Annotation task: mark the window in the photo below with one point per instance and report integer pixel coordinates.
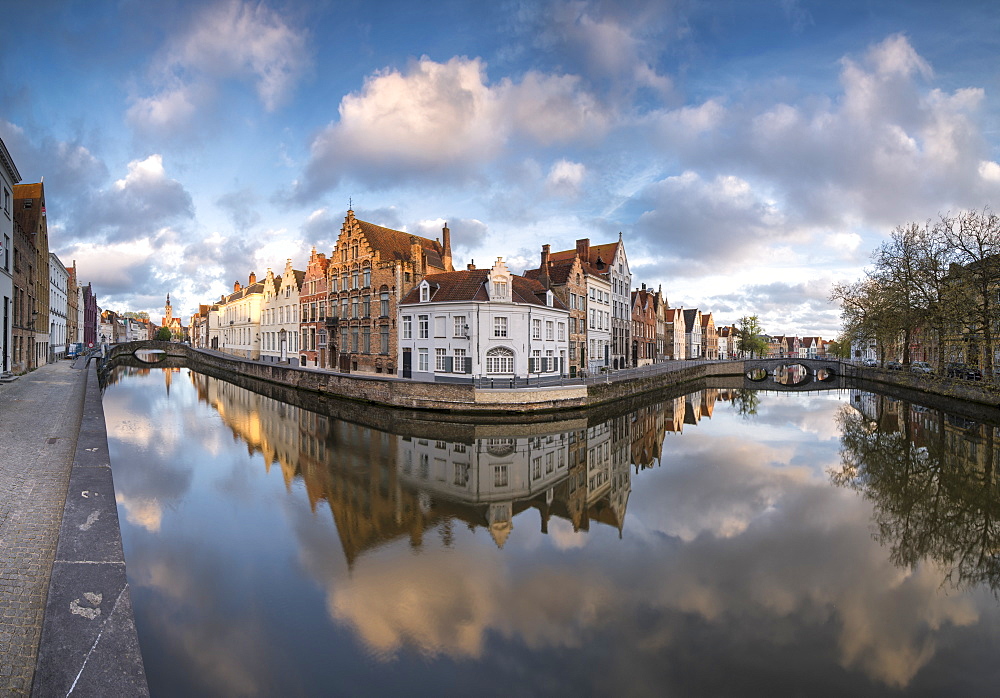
(322, 310)
(500, 327)
(334, 286)
(384, 304)
(499, 475)
(354, 340)
(354, 278)
(439, 357)
(366, 306)
(425, 293)
(561, 332)
(500, 289)
(354, 307)
(366, 277)
(500, 360)
(407, 327)
(422, 364)
(384, 333)
(343, 307)
(549, 330)
(550, 361)
(423, 326)
(459, 361)
(536, 362)
(461, 330)
(536, 329)
(439, 325)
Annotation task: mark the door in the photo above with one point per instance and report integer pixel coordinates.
(407, 363)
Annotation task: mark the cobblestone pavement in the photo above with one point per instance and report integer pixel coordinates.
(39, 424)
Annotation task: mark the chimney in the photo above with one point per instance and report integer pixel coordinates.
(644, 288)
(416, 255)
(236, 286)
(446, 254)
(471, 266)
(545, 255)
(252, 280)
(583, 249)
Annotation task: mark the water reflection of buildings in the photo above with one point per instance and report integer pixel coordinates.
(381, 487)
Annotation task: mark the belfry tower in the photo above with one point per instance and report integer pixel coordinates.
(168, 313)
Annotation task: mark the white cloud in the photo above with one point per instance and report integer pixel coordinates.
(445, 120)
(565, 178)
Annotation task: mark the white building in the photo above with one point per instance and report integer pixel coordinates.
(692, 334)
(279, 323)
(599, 317)
(58, 304)
(481, 322)
(9, 176)
(239, 316)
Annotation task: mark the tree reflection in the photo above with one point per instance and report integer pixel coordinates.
(746, 402)
(931, 478)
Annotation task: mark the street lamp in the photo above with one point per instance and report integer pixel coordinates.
(281, 334)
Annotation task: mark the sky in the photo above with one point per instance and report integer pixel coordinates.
(750, 154)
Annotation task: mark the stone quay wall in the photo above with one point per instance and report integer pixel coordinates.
(442, 397)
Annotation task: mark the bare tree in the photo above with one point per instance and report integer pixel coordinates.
(974, 236)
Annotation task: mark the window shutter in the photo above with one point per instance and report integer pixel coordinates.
(449, 364)
(468, 364)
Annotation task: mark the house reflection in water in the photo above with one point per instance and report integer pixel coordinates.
(381, 486)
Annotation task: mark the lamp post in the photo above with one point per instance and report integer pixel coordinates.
(284, 355)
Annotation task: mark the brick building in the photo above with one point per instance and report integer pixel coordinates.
(29, 212)
(313, 296)
(371, 269)
(568, 280)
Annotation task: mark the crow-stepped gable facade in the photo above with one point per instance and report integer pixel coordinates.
(369, 272)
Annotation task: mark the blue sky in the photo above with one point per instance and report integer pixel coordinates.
(751, 153)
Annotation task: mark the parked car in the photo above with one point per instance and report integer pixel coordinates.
(960, 370)
(921, 367)
(894, 366)
(870, 362)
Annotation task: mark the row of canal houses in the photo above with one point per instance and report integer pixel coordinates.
(390, 302)
(44, 308)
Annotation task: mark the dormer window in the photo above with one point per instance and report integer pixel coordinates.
(425, 292)
(548, 297)
(500, 288)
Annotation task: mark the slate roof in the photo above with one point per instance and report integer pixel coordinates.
(689, 318)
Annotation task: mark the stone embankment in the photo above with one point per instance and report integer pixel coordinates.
(455, 398)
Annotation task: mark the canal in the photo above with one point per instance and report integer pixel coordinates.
(719, 543)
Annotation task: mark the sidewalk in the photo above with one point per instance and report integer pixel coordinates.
(40, 416)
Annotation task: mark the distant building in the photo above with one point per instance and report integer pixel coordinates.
(58, 308)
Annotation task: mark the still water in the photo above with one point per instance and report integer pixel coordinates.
(720, 543)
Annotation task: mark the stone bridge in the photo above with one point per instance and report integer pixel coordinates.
(783, 374)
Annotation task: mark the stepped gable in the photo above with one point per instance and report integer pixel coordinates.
(595, 253)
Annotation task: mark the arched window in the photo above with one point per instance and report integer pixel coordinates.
(500, 360)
